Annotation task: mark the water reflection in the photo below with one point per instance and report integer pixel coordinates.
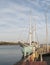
(10, 54)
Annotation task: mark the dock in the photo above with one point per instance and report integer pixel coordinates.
(46, 61)
(31, 63)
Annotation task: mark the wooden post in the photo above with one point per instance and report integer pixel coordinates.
(41, 57)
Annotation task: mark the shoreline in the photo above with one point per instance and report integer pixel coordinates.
(10, 43)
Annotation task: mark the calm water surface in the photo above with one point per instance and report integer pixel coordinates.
(9, 55)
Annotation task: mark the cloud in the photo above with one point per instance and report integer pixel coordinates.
(15, 18)
(40, 5)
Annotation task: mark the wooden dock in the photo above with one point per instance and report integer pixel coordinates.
(46, 61)
(31, 63)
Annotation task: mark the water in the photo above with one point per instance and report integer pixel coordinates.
(9, 55)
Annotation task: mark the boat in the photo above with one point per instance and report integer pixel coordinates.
(31, 52)
(30, 48)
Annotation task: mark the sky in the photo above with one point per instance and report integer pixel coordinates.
(15, 16)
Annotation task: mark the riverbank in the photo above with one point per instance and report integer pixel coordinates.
(9, 43)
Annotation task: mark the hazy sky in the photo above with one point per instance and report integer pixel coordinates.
(15, 18)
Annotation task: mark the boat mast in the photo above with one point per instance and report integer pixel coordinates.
(46, 29)
(35, 32)
(30, 35)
